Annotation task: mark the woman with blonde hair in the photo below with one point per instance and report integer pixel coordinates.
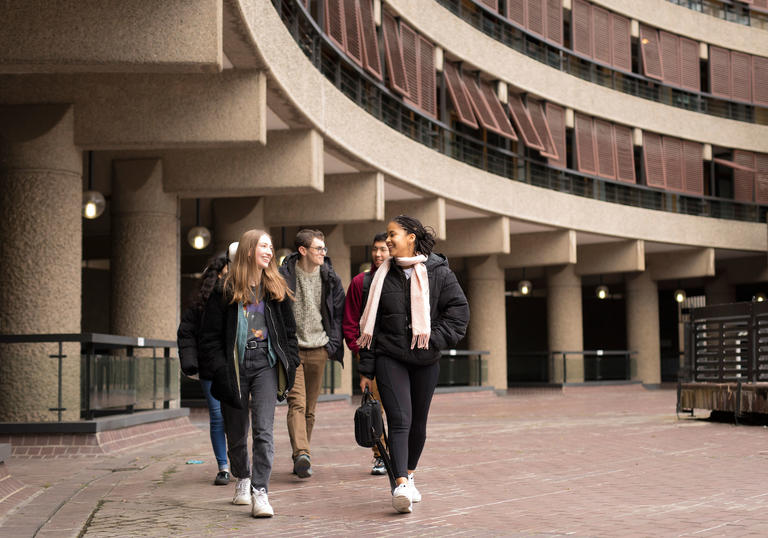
(250, 353)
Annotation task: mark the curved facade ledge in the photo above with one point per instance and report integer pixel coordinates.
(496, 59)
(401, 158)
(692, 24)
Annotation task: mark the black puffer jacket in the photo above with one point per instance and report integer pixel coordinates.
(332, 309)
(218, 361)
(187, 339)
(448, 310)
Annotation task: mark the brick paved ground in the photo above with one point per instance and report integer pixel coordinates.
(590, 461)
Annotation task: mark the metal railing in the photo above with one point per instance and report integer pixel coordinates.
(112, 375)
(728, 10)
(460, 367)
(495, 154)
(558, 57)
(596, 364)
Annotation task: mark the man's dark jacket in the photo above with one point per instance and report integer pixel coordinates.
(448, 311)
(217, 359)
(332, 306)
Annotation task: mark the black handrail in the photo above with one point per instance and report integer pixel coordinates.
(727, 10)
(558, 57)
(494, 155)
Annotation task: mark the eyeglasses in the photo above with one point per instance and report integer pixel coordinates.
(319, 249)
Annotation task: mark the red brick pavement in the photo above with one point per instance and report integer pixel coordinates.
(589, 461)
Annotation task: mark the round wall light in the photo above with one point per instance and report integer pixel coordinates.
(93, 204)
(601, 292)
(524, 287)
(680, 295)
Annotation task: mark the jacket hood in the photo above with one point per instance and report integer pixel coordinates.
(436, 260)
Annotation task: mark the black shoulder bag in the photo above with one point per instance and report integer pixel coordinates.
(369, 427)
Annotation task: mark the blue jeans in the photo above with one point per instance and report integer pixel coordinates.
(218, 439)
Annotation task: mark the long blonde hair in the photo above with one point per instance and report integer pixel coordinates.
(244, 270)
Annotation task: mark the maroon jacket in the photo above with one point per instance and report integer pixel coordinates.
(353, 309)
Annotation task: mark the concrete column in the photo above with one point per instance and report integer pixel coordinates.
(564, 321)
(719, 291)
(233, 216)
(40, 259)
(340, 255)
(145, 261)
(488, 316)
(643, 327)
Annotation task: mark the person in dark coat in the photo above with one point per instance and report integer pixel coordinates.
(318, 309)
(415, 309)
(188, 339)
(250, 353)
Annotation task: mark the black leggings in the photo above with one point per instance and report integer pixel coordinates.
(406, 392)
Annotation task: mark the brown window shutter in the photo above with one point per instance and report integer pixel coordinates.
(371, 58)
(653, 160)
(427, 77)
(693, 166)
(540, 123)
(650, 52)
(523, 122)
(761, 178)
(719, 72)
(606, 148)
(334, 22)
(352, 34)
(555, 21)
(744, 180)
(493, 4)
(741, 76)
(516, 11)
(690, 74)
(556, 122)
(497, 109)
(622, 43)
(625, 153)
(673, 162)
(670, 58)
(581, 20)
(394, 55)
(479, 104)
(459, 96)
(536, 16)
(602, 40)
(585, 145)
(411, 60)
(760, 80)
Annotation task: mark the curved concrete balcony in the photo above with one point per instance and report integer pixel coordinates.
(345, 125)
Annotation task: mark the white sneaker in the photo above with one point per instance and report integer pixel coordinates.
(242, 491)
(415, 495)
(260, 506)
(401, 498)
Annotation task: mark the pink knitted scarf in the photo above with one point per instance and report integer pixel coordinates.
(420, 322)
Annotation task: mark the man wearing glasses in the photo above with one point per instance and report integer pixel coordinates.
(318, 309)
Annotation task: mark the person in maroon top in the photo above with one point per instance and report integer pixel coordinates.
(353, 309)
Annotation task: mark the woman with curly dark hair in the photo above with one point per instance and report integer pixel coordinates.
(188, 337)
(250, 352)
(415, 309)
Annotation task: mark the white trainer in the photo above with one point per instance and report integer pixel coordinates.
(260, 506)
(415, 495)
(242, 491)
(401, 499)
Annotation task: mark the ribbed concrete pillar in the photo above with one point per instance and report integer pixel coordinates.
(233, 216)
(40, 259)
(643, 327)
(145, 260)
(719, 291)
(488, 316)
(564, 321)
(340, 255)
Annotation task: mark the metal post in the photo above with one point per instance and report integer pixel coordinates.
(167, 391)
(479, 370)
(565, 363)
(154, 379)
(59, 356)
(88, 366)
